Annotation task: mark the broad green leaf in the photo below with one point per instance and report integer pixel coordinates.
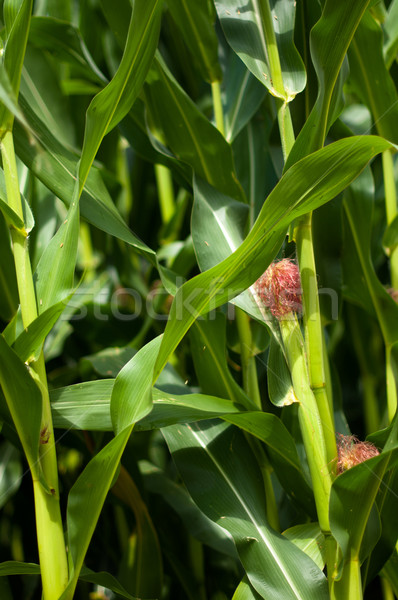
(308, 184)
(208, 347)
(195, 20)
(87, 406)
(124, 408)
(245, 591)
(87, 496)
(310, 539)
(244, 29)
(348, 518)
(228, 488)
(56, 167)
(282, 453)
(243, 96)
(371, 79)
(54, 276)
(29, 343)
(195, 141)
(24, 402)
(14, 567)
(330, 39)
(195, 521)
(280, 388)
(8, 283)
(10, 471)
(17, 15)
(110, 105)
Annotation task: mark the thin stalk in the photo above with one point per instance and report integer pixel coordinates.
(391, 208)
(285, 126)
(349, 586)
(50, 537)
(272, 49)
(218, 107)
(248, 361)
(278, 89)
(391, 386)
(388, 593)
(309, 418)
(314, 339)
(165, 188)
(87, 254)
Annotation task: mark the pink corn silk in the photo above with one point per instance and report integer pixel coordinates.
(352, 451)
(279, 288)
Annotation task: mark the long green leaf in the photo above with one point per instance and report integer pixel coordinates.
(330, 39)
(195, 20)
(87, 406)
(110, 105)
(307, 185)
(195, 141)
(228, 488)
(87, 496)
(24, 401)
(29, 342)
(54, 274)
(371, 79)
(17, 15)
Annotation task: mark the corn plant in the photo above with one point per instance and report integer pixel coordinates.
(198, 299)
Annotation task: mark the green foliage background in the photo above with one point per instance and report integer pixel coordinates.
(166, 153)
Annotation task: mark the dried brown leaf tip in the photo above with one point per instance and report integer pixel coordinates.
(279, 288)
(351, 451)
(393, 293)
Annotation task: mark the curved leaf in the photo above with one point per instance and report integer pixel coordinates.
(87, 496)
(24, 401)
(112, 103)
(195, 141)
(243, 28)
(228, 488)
(371, 79)
(195, 20)
(330, 39)
(307, 185)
